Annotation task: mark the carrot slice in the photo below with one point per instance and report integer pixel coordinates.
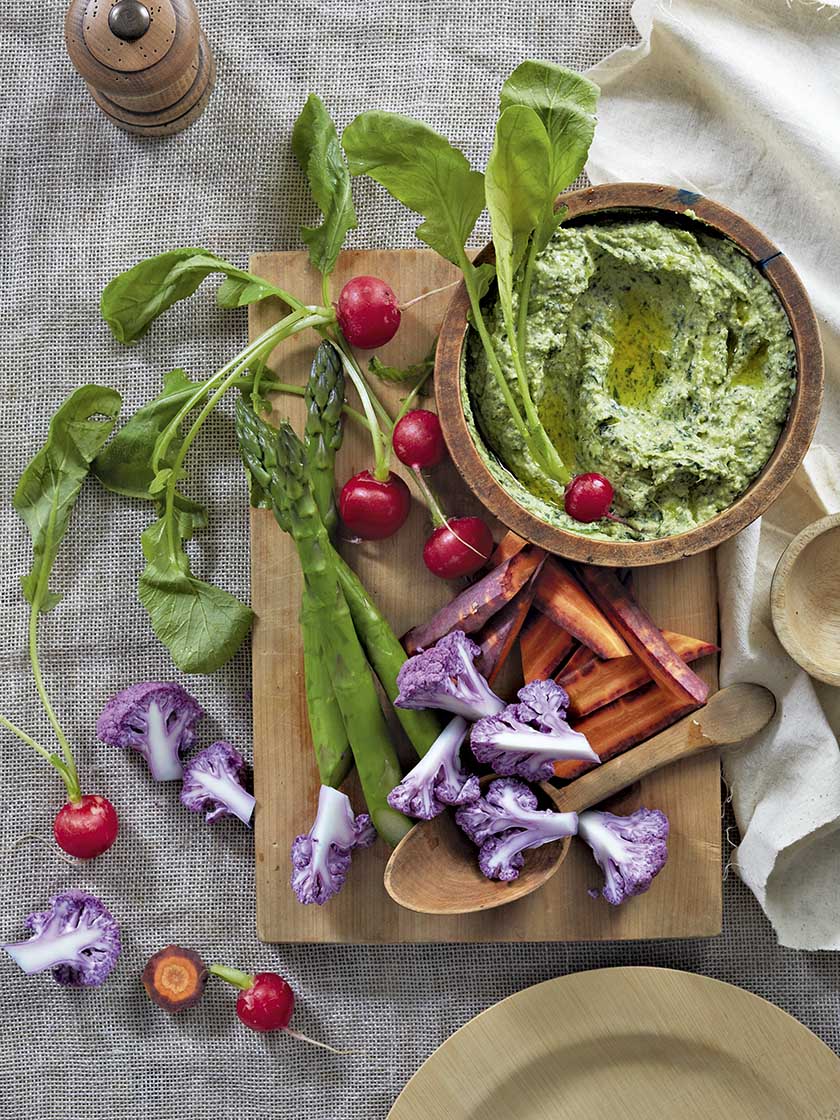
(617, 727)
(470, 610)
(564, 601)
(543, 646)
(175, 978)
(508, 546)
(642, 635)
(600, 682)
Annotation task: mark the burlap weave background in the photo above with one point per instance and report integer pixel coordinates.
(82, 201)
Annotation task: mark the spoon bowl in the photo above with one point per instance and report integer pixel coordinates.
(437, 852)
(434, 868)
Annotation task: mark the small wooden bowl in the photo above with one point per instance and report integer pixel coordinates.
(649, 200)
(805, 599)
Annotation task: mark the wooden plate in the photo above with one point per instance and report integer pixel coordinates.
(646, 1043)
(663, 203)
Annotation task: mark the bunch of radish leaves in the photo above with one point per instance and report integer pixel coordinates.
(545, 125)
(201, 624)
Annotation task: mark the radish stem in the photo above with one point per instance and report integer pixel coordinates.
(233, 976)
(381, 446)
(426, 295)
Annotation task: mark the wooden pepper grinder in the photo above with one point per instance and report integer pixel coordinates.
(146, 62)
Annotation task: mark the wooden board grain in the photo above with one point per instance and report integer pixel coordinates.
(685, 901)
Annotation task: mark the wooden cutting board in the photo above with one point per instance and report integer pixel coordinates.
(685, 900)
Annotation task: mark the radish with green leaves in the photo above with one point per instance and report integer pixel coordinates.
(588, 498)
(459, 547)
(373, 508)
(45, 496)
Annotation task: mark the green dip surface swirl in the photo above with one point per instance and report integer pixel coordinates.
(657, 356)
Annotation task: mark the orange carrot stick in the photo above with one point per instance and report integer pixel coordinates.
(642, 635)
(615, 728)
(508, 546)
(582, 657)
(600, 682)
(543, 646)
(564, 601)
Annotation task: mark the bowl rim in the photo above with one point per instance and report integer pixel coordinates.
(777, 472)
(779, 588)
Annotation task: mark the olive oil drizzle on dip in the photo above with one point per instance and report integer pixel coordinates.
(657, 356)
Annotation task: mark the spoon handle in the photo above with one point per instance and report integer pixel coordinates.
(731, 715)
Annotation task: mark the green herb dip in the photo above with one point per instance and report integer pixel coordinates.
(658, 357)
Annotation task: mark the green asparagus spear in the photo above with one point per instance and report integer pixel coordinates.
(329, 736)
(381, 644)
(324, 397)
(385, 654)
(326, 723)
(286, 480)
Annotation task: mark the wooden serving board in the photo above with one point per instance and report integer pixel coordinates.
(685, 900)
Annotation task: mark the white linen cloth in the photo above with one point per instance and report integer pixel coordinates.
(740, 101)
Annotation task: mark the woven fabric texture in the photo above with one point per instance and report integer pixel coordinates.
(82, 201)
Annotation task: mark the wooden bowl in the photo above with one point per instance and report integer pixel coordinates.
(648, 200)
(805, 599)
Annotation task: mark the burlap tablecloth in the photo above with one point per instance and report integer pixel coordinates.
(81, 202)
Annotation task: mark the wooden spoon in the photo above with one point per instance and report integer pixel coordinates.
(434, 869)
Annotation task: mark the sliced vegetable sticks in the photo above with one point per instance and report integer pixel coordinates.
(642, 635)
(543, 646)
(562, 599)
(498, 637)
(470, 610)
(617, 727)
(600, 682)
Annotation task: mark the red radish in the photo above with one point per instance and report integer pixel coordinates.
(418, 440)
(588, 497)
(87, 828)
(267, 1005)
(372, 509)
(458, 548)
(368, 312)
(265, 1002)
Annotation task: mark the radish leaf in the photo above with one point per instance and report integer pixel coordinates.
(318, 151)
(134, 299)
(516, 183)
(50, 484)
(422, 170)
(202, 625)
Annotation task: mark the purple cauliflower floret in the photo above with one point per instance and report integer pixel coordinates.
(213, 784)
(631, 851)
(445, 677)
(527, 738)
(156, 718)
(506, 822)
(321, 857)
(77, 938)
(438, 779)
